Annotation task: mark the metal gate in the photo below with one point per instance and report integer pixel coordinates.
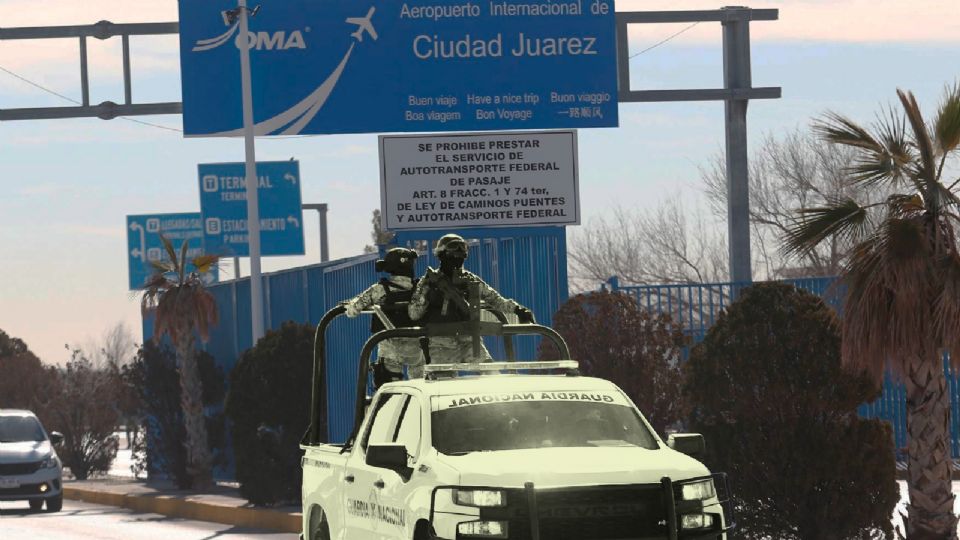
(697, 306)
(529, 265)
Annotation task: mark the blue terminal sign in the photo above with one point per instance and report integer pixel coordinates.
(365, 66)
(144, 244)
(223, 203)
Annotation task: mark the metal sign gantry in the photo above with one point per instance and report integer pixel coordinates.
(108, 109)
(736, 93)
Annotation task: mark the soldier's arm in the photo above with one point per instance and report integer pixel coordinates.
(373, 295)
(492, 298)
(418, 302)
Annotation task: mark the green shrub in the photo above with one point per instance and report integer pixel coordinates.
(778, 412)
(614, 339)
(83, 411)
(153, 377)
(22, 376)
(269, 407)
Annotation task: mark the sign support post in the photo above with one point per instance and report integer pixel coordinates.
(253, 210)
(736, 76)
(321, 209)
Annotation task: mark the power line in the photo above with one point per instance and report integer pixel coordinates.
(75, 102)
(31, 83)
(659, 43)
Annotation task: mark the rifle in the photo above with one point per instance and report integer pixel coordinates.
(435, 278)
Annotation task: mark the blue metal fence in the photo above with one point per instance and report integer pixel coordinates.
(697, 306)
(528, 265)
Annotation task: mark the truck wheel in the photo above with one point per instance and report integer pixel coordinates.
(319, 529)
(424, 531)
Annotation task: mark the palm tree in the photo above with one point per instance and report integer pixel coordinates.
(182, 305)
(902, 279)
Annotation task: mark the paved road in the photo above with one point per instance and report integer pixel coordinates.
(83, 521)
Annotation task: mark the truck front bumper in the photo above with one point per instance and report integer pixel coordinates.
(621, 512)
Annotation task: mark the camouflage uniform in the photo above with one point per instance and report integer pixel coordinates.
(431, 304)
(397, 351)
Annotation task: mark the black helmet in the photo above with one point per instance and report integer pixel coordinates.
(450, 244)
(398, 261)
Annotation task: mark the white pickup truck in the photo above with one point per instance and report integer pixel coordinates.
(527, 451)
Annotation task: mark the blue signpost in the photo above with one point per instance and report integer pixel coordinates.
(359, 66)
(223, 203)
(144, 244)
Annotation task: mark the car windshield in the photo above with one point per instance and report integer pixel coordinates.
(20, 429)
(490, 422)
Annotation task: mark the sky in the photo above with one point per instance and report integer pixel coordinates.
(66, 186)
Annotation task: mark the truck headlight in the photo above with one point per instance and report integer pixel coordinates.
(484, 529)
(696, 521)
(480, 497)
(50, 462)
(698, 491)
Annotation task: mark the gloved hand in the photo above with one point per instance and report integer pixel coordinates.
(525, 315)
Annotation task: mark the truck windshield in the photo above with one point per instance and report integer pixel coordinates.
(536, 424)
(20, 429)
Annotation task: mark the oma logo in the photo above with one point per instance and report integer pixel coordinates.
(270, 41)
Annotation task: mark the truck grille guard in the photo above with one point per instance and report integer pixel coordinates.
(668, 489)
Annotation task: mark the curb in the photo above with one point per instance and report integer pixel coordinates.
(184, 507)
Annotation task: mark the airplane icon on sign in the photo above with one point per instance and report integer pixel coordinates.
(363, 25)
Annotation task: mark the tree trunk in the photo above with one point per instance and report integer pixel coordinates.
(930, 510)
(199, 460)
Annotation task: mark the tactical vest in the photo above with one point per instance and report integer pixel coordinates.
(394, 306)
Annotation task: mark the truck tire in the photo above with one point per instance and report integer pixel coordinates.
(319, 529)
(424, 531)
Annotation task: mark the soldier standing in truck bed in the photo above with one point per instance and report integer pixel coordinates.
(392, 295)
(440, 296)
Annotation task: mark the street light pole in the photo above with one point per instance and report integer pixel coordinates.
(321, 209)
(253, 207)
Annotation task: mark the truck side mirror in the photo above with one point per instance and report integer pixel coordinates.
(56, 437)
(391, 456)
(691, 444)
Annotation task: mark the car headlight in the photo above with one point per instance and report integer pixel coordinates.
(480, 497)
(698, 491)
(51, 462)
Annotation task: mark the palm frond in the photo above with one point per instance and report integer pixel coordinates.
(887, 308)
(874, 169)
(843, 217)
(902, 205)
(926, 165)
(947, 307)
(203, 263)
(171, 253)
(839, 129)
(946, 197)
(162, 267)
(947, 125)
(182, 262)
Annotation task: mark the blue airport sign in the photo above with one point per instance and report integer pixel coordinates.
(223, 203)
(349, 66)
(144, 244)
